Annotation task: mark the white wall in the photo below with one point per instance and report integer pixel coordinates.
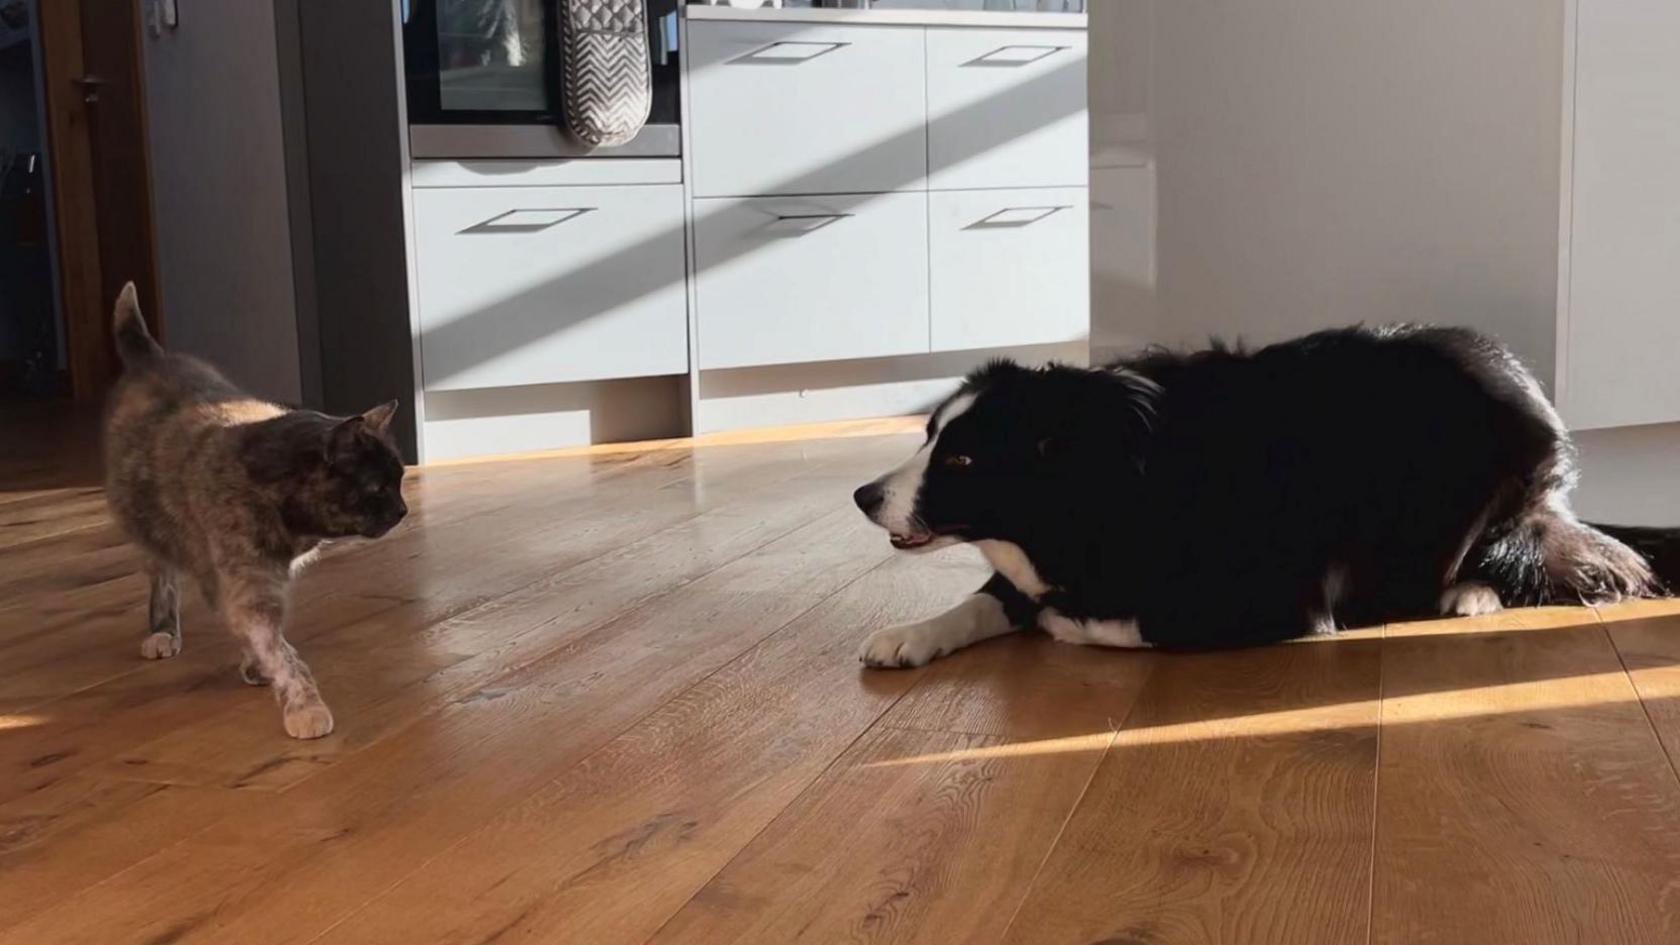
(1122, 176)
(1321, 162)
(1267, 168)
(1630, 475)
(219, 192)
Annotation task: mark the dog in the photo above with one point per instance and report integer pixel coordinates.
(1230, 498)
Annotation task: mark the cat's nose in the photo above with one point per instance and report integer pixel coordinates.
(869, 497)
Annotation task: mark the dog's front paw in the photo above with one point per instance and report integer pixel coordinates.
(311, 720)
(1470, 599)
(902, 647)
(160, 646)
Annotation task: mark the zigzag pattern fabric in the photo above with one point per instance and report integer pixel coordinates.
(608, 76)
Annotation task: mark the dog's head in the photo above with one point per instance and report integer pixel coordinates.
(1012, 446)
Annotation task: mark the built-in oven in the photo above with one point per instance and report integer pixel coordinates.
(484, 80)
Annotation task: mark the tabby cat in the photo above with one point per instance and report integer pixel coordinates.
(237, 493)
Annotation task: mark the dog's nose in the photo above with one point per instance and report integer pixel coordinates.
(869, 497)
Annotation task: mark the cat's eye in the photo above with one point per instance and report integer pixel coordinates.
(958, 461)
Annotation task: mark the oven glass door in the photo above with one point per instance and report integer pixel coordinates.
(497, 63)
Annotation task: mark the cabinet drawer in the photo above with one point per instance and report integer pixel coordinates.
(1006, 108)
(1009, 267)
(810, 279)
(544, 285)
(780, 108)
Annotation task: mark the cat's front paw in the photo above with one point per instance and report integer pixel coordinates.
(160, 646)
(309, 721)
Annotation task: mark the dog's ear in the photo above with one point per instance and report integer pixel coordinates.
(997, 369)
(1100, 421)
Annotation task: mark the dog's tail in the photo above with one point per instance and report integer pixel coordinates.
(1660, 547)
(135, 343)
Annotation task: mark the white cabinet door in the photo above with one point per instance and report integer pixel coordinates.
(786, 108)
(1006, 108)
(544, 285)
(788, 279)
(1621, 336)
(1009, 267)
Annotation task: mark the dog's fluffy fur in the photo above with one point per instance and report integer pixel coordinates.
(1227, 498)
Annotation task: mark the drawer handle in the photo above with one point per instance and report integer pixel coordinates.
(798, 224)
(788, 52)
(534, 220)
(1012, 217)
(1013, 57)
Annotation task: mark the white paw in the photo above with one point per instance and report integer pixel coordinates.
(1470, 599)
(903, 646)
(1117, 633)
(160, 646)
(310, 721)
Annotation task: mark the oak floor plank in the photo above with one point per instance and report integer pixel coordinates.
(332, 842)
(79, 831)
(26, 522)
(1234, 805)
(1648, 642)
(616, 845)
(913, 837)
(1026, 687)
(1523, 795)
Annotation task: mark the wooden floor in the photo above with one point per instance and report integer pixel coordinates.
(613, 699)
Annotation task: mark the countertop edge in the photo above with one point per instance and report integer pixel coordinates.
(997, 19)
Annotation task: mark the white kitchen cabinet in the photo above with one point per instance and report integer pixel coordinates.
(785, 279)
(1006, 108)
(1009, 267)
(1619, 338)
(802, 108)
(545, 285)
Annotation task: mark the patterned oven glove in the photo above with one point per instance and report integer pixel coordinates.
(607, 71)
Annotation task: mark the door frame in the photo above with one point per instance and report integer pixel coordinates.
(73, 163)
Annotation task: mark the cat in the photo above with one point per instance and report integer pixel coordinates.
(237, 493)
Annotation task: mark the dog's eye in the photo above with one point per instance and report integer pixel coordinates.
(958, 461)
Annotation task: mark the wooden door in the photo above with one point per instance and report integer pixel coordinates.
(101, 186)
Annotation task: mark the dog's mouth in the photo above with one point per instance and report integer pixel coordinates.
(906, 542)
(923, 538)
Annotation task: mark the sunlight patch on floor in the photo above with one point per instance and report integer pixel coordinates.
(9, 722)
(1481, 702)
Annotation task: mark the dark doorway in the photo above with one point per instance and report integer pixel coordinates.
(32, 363)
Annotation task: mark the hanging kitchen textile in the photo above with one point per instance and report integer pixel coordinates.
(607, 74)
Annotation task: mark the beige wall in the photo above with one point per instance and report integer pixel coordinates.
(1320, 162)
(219, 191)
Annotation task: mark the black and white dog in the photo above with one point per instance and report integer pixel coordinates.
(1229, 498)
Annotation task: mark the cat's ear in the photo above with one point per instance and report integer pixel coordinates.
(341, 442)
(378, 419)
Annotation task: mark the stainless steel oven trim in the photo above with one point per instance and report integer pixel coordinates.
(533, 141)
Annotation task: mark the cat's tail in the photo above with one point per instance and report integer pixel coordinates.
(134, 342)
